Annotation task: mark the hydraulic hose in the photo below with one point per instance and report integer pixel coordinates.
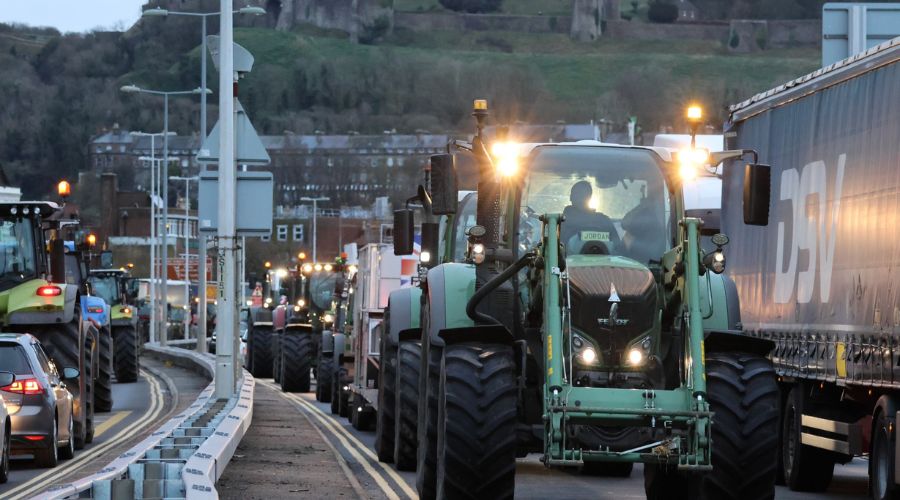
(492, 285)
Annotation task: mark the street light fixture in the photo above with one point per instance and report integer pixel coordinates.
(134, 89)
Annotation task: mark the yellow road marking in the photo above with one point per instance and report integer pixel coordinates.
(38, 483)
(111, 421)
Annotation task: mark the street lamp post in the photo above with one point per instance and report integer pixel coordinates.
(187, 251)
(154, 186)
(315, 215)
(164, 179)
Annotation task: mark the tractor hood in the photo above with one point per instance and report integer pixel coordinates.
(594, 280)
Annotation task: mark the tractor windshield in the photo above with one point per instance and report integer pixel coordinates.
(105, 287)
(322, 289)
(17, 251)
(614, 200)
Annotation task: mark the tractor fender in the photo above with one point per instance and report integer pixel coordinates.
(260, 316)
(24, 297)
(279, 317)
(327, 342)
(297, 329)
(404, 306)
(339, 345)
(736, 341)
(449, 288)
(719, 302)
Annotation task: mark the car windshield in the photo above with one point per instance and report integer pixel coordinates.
(614, 201)
(17, 251)
(105, 287)
(13, 359)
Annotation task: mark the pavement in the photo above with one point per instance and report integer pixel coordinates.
(295, 447)
(138, 408)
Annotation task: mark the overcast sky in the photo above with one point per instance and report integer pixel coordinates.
(72, 15)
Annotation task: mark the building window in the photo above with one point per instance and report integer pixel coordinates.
(282, 232)
(298, 232)
(266, 238)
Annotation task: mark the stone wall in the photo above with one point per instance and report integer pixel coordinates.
(750, 35)
(628, 30)
(428, 21)
(351, 16)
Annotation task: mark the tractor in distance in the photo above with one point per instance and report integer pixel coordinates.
(115, 286)
(587, 325)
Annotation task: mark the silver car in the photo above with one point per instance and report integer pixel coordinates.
(39, 404)
(6, 378)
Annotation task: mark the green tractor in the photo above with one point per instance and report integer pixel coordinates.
(37, 298)
(116, 287)
(587, 325)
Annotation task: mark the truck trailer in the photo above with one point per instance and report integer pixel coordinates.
(817, 277)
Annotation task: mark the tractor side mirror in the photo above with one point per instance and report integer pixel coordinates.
(403, 231)
(430, 244)
(58, 260)
(444, 184)
(6, 379)
(70, 373)
(757, 191)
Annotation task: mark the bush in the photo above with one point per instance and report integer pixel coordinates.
(662, 12)
(473, 6)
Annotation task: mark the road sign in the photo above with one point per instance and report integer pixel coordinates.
(176, 267)
(254, 203)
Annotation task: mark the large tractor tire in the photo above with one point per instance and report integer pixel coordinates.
(297, 352)
(743, 393)
(387, 388)
(324, 377)
(476, 428)
(336, 390)
(260, 347)
(406, 405)
(275, 346)
(103, 398)
(805, 468)
(126, 360)
(426, 425)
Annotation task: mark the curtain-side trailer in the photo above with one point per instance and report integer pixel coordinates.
(822, 279)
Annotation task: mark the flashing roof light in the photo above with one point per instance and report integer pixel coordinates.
(92, 239)
(506, 158)
(301, 255)
(480, 105)
(267, 264)
(64, 188)
(694, 113)
(318, 267)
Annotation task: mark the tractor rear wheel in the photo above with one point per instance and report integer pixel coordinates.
(476, 428)
(275, 346)
(336, 391)
(409, 359)
(324, 377)
(296, 361)
(426, 425)
(103, 398)
(387, 390)
(743, 394)
(126, 360)
(260, 347)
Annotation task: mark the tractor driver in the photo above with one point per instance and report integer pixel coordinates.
(585, 230)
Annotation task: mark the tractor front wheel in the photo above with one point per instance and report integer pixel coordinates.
(476, 425)
(126, 360)
(387, 391)
(324, 377)
(296, 361)
(103, 398)
(409, 359)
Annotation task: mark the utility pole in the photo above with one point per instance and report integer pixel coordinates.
(227, 293)
(315, 215)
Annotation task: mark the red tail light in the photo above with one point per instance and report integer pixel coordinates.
(49, 291)
(35, 438)
(26, 386)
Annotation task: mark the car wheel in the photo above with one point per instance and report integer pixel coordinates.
(67, 451)
(50, 457)
(4, 466)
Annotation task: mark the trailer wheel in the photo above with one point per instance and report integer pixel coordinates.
(426, 426)
(409, 359)
(324, 378)
(881, 465)
(126, 359)
(275, 348)
(296, 361)
(805, 468)
(476, 449)
(343, 394)
(103, 398)
(387, 398)
(336, 390)
(608, 469)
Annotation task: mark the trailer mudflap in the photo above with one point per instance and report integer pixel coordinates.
(845, 438)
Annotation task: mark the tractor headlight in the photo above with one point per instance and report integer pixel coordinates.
(584, 350)
(638, 352)
(588, 356)
(425, 257)
(635, 356)
(715, 261)
(506, 158)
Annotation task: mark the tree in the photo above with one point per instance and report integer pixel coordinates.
(472, 6)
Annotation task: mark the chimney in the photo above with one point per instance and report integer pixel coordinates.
(108, 200)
